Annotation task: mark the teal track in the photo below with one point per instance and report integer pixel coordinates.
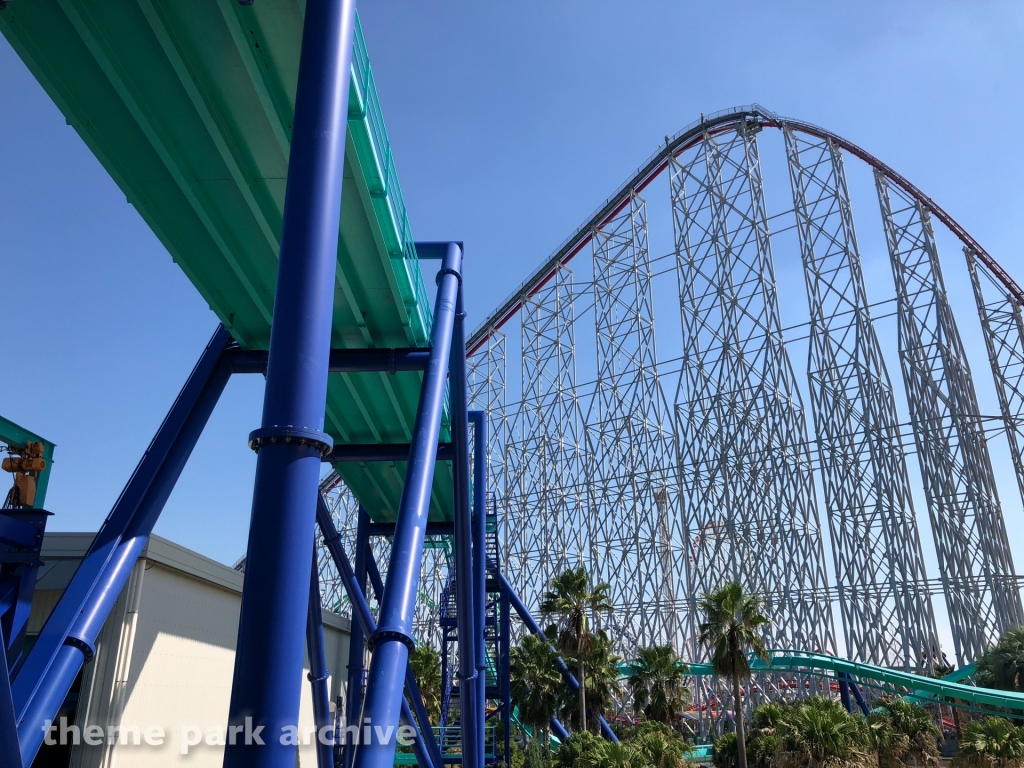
(918, 687)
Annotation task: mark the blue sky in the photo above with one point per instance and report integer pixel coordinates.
(510, 122)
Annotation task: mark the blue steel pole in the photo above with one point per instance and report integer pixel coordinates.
(318, 673)
(393, 638)
(504, 674)
(290, 442)
(844, 692)
(357, 639)
(68, 638)
(534, 627)
(479, 421)
(425, 747)
(470, 701)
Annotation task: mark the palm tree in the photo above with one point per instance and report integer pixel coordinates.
(601, 676)
(992, 742)
(819, 732)
(734, 620)
(571, 599)
(535, 684)
(426, 667)
(656, 682)
(1002, 665)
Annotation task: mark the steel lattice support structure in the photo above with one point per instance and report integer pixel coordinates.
(745, 470)
(975, 563)
(548, 495)
(1002, 323)
(879, 565)
(630, 486)
(591, 464)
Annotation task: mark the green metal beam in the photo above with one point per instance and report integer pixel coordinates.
(188, 105)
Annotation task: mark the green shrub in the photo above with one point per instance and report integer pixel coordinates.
(990, 743)
(726, 752)
(581, 750)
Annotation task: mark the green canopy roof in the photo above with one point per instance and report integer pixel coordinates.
(188, 104)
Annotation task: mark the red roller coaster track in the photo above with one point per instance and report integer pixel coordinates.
(688, 138)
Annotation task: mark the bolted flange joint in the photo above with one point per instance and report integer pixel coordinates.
(88, 649)
(320, 440)
(391, 634)
(446, 271)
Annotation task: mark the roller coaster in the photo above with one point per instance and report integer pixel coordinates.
(249, 138)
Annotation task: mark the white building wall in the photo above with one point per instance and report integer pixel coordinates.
(166, 657)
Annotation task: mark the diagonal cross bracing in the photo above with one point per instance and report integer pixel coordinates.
(745, 473)
(886, 609)
(548, 493)
(967, 521)
(629, 482)
(1002, 323)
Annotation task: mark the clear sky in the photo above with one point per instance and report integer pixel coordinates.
(510, 122)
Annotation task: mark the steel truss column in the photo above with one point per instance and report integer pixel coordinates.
(1002, 323)
(487, 373)
(967, 522)
(745, 470)
(886, 608)
(267, 680)
(629, 477)
(393, 638)
(546, 486)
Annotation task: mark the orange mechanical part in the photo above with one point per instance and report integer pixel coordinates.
(25, 463)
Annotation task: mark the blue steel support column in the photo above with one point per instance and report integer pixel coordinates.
(844, 692)
(425, 747)
(534, 627)
(470, 701)
(68, 638)
(859, 697)
(479, 421)
(318, 672)
(268, 663)
(357, 639)
(504, 673)
(393, 638)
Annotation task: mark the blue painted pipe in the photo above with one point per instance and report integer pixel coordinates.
(479, 421)
(520, 607)
(471, 714)
(318, 673)
(68, 639)
(393, 638)
(504, 673)
(859, 697)
(10, 749)
(844, 692)
(267, 681)
(428, 754)
(357, 638)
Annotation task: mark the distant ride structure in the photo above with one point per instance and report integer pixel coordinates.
(668, 462)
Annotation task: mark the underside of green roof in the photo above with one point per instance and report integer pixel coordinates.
(188, 105)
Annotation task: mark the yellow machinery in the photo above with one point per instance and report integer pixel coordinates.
(25, 464)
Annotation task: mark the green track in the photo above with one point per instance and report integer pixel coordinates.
(188, 105)
(920, 687)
